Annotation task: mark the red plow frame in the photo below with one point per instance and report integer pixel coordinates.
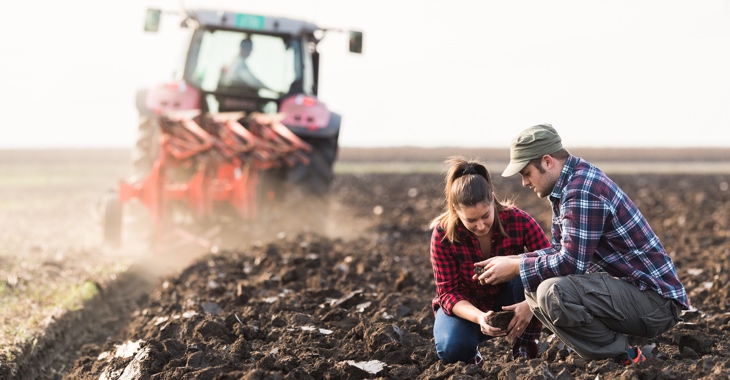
(222, 159)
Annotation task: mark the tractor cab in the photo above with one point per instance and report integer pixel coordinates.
(250, 63)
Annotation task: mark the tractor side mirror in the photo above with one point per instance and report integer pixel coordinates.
(355, 42)
(152, 20)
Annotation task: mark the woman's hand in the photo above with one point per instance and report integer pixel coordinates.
(488, 329)
(519, 322)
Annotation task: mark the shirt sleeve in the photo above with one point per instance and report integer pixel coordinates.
(445, 271)
(581, 222)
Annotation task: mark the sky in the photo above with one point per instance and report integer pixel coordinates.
(604, 73)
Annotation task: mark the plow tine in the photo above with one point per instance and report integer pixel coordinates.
(284, 144)
(246, 141)
(303, 158)
(187, 141)
(276, 142)
(199, 132)
(290, 137)
(289, 161)
(264, 155)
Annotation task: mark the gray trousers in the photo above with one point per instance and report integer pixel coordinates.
(594, 313)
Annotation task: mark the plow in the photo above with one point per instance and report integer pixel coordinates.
(239, 128)
(206, 169)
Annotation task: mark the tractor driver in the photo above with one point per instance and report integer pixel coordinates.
(237, 74)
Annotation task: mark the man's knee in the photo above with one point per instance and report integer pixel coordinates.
(546, 295)
(556, 298)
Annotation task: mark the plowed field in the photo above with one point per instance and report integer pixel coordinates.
(347, 301)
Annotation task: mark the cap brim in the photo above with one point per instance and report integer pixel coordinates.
(514, 168)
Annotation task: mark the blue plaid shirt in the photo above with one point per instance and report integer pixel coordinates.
(597, 228)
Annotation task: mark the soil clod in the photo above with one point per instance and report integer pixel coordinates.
(500, 319)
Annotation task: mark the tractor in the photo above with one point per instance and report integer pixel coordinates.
(238, 135)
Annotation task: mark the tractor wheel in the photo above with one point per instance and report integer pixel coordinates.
(147, 148)
(309, 185)
(271, 186)
(313, 179)
(112, 219)
(302, 190)
(144, 156)
(316, 178)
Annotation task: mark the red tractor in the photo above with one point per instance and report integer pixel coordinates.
(239, 134)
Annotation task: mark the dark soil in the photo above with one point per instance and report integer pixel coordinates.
(500, 319)
(355, 303)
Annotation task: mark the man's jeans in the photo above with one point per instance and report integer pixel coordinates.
(457, 339)
(594, 313)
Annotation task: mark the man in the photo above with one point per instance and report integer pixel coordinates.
(606, 274)
(238, 74)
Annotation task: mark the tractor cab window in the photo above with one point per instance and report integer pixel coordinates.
(245, 64)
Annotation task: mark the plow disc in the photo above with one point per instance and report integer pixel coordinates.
(207, 163)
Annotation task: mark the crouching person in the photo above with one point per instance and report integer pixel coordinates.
(476, 226)
(606, 275)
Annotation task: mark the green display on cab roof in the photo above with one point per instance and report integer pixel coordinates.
(249, 21)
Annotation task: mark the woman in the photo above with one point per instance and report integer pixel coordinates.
(476, 226)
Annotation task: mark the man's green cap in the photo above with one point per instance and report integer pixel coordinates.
(533, 142)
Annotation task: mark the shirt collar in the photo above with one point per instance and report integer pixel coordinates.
(565, 175)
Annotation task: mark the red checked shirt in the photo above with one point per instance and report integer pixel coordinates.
(453, 263)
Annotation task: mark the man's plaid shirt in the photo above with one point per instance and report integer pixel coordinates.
(597, 228)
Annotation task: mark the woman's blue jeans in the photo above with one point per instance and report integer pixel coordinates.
(457, 339)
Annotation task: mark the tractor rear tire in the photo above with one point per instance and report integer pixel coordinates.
(309, 185)
(316, 178)
(112, 219)
(145, 154)
(302, 190)
(147, 147)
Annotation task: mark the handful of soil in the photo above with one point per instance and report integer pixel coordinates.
(500, 319)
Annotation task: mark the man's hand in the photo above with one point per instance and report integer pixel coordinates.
(519, 322)
(498, 270)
